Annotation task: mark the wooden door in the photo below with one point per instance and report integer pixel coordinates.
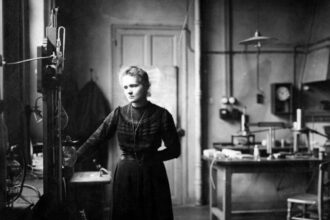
(156, 50)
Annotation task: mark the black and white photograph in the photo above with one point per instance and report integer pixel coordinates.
(164, 109)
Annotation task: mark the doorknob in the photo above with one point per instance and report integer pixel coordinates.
(181, 132)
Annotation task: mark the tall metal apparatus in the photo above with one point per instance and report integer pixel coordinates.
(49, 84)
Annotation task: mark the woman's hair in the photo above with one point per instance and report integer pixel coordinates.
(137, 72)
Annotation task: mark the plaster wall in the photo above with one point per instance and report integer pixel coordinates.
(284, 20)
(89, 29)
(319, 30)
(36, 29)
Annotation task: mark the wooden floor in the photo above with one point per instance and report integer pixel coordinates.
(180, 213)
(191, 213)
(20, 211)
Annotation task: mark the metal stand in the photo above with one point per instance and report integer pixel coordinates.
(50, 72)
(270, 140)
(271, 127)
(297, 134)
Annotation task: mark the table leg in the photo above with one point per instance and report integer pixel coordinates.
(212, 192)
(226, 208)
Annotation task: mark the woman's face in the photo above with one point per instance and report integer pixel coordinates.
(134, 90)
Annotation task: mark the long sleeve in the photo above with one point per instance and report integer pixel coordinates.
(170, 138)
(104, 132)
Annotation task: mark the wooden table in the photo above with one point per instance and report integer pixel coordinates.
(90, 177)
(227, 167)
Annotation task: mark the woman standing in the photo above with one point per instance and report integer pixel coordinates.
(140, 185)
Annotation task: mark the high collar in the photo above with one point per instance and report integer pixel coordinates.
(140, 106)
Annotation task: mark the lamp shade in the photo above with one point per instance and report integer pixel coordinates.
(257, 40)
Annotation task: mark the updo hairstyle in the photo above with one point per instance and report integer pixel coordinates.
(139, 73)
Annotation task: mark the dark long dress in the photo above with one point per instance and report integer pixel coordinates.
(140, 185)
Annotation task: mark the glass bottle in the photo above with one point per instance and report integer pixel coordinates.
(256, 153)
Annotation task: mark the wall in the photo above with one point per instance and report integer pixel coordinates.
(319, 30)
(284, 20)
(37, 30)
(13, 74)
(89, 24)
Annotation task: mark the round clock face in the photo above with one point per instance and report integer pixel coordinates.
(283, 93)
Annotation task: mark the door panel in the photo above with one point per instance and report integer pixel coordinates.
(163, 50)
(164, 93)
(130, 44)
(156, 51)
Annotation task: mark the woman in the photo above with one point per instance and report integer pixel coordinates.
(140, 185)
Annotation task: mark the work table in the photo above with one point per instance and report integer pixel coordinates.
(249, 148)
(291, 160)
(220, 192)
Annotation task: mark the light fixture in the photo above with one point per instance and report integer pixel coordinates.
(257, 40)
(232, 100)
(224, 100)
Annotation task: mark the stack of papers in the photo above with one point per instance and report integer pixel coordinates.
(236, 154)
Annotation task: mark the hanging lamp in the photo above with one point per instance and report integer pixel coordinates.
(257, 40)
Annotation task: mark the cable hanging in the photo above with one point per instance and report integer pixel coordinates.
(28, 60)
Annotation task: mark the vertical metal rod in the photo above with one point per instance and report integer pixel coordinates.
(59, 145)
(3, 170)
(198, 97)
(270, 139)
(258, 71)
(229, 47)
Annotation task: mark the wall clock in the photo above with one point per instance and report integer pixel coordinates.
(283, 93)
(282, 98)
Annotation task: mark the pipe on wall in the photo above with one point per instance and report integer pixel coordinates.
(198, 97)
(229, 47)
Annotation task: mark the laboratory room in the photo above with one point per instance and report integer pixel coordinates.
(164, 109)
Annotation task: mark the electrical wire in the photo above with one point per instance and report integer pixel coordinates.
(184, 25)
(211, 168)
(28, 60)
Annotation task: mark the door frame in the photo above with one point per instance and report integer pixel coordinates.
(182, 111)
